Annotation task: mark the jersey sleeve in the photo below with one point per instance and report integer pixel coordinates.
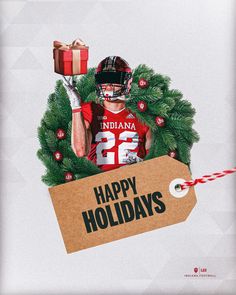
(87, 111)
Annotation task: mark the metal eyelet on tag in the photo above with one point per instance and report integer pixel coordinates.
(175, 188)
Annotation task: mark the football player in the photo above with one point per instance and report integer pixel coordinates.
(106, 132)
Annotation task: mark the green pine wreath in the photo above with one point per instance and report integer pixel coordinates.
(177, 134)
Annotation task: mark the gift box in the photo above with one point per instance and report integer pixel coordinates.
(70, 59)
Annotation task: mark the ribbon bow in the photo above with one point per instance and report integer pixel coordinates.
(76, 44)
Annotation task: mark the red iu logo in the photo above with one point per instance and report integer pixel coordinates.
(61, 133)
(195, 269)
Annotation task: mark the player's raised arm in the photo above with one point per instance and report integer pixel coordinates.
(80, 133)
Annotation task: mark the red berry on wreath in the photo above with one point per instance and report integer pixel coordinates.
(160, 121)
(69, 176)
(142, 83)
(60, 133)
(142, 106)
(57, 156)
(172, 154)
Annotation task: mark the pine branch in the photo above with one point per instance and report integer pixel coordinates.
(62, 105)
(161, 148)
(65, 148)
(86, 84)
(160, 81)
(183, 150)
(51, 120)
(51, 140)
(142, 71)
(68, 165)
(190, 135)
(49, 162)
(149, 94)
(176, 121)
(91, 97)
(169, 101)
(174, 93)
(184, 107)
(42, 139)
(89, 167)
(51, 178)
(168, 138)
(159, 109)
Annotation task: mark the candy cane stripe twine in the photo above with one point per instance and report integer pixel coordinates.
(207, 178)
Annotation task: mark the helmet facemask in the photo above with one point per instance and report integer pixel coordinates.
(112, 94)
(113, 78)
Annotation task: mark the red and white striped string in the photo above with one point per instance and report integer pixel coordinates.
(206, 178)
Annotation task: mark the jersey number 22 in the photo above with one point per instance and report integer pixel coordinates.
(123, 148)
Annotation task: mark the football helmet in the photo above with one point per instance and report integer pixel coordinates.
(113, 71)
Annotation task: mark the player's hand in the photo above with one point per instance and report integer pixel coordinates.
(75, 100)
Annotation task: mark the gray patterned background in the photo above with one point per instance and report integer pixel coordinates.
(191, 41)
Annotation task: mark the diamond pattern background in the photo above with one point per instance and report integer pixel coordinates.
(193, 42)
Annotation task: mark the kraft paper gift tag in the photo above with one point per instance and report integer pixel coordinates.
(121, 203)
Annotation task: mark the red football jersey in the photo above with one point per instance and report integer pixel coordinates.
(113, 136)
